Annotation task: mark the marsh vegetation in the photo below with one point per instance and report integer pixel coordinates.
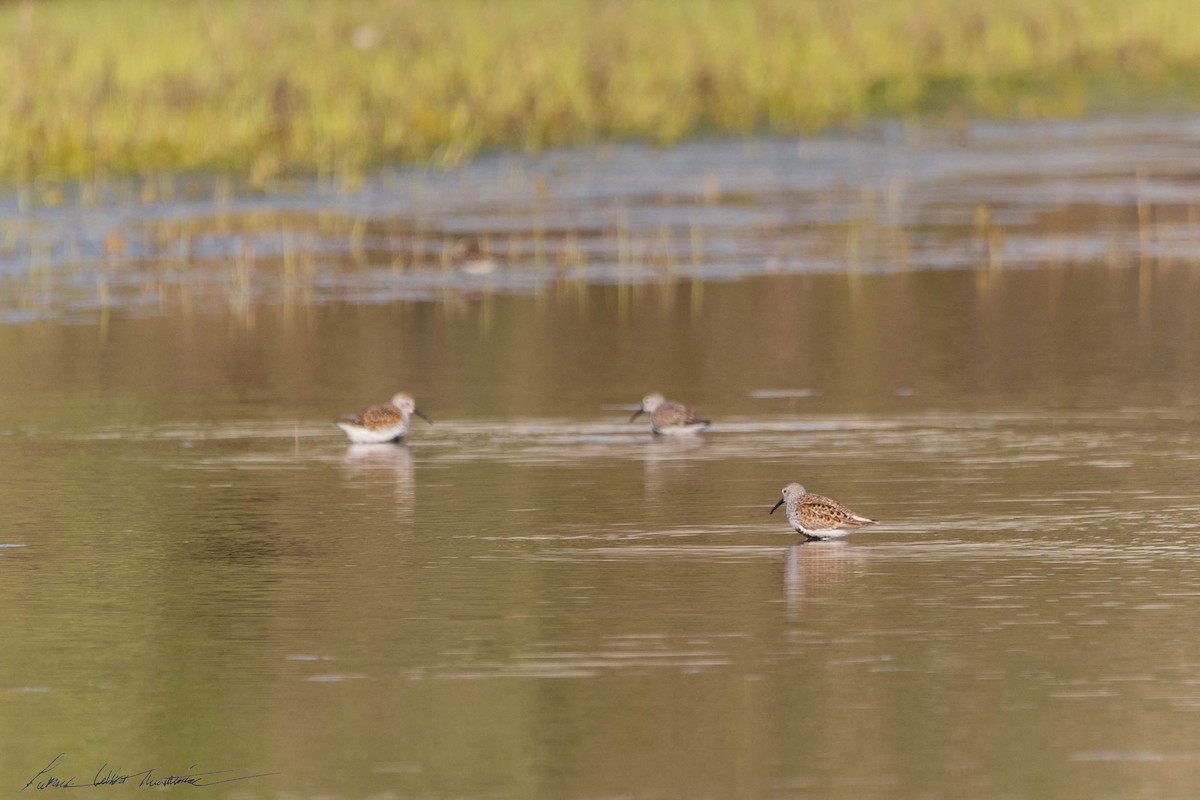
(331, 88)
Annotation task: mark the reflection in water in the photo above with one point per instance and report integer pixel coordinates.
(667, 462)
(895, 199)
(385, 464)
(813, 565)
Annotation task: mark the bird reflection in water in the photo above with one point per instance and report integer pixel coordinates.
(811, 567)
(668, 462)
(380, 464)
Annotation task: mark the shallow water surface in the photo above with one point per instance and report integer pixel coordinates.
(534, 598)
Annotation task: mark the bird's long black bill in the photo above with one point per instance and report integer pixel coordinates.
(777, 505)
(422, 416)
(636, 414)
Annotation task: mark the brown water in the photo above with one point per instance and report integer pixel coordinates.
(535, 599)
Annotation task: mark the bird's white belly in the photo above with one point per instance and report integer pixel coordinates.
(681, 430)
(360, 435)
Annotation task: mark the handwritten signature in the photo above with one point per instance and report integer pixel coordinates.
(111, 776)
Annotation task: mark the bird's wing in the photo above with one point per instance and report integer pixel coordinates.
(672, 413)
(820, 512)
(376, 417)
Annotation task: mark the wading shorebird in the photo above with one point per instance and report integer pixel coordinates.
(818, 517)
(471, 258)
(382, 423)
(668, 417)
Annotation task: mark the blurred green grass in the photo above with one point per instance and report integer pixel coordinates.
(336, 86)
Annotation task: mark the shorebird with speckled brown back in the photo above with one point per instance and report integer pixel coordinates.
(383, 423)
(818, 517)
(668, 417)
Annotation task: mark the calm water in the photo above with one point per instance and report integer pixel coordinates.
(992, 345)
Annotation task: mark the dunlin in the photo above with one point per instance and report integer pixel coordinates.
(818, 517)
(471, 258)
(383, 423)
(668, 417)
